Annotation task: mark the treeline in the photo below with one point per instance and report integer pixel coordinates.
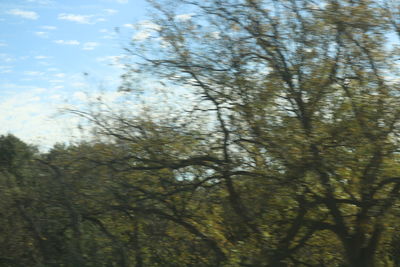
(98, 204)
(286, 153)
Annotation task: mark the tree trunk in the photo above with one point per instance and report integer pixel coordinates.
(360, 252)
(361, 259)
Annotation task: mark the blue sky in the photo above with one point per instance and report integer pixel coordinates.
(46, 46)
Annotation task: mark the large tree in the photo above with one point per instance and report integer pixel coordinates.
(285, 154)
(292, 134)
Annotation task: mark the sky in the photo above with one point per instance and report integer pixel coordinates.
(54, 53)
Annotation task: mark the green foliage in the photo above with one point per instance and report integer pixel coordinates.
(287, 156)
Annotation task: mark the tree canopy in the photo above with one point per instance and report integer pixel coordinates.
(286, 153)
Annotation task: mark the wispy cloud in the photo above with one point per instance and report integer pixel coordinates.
(30, 107)
(3, 44)
(6, 58)
(49, 28)
(78, 84)
(83, 19)
(56, 81)
(108, 34)
(67, 42)
(144, 25)
(122, 1)
(41, 57)
(144, 29)
(148, 25)
(23, 14)
(128, 25)
(33, 73)
(81, 96)
(42, 34)
(90, 45)
(42, 2)
(59, 75)
(110, 11)
(140, 36)
(184, 17)
(5, 69)
(112, 60)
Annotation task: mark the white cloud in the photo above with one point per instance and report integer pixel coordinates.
(42, 2)
(145, 29)
(67, 42)
(81, 96)
(57, 96)
(112, 60)
(5, 69)
(106, 58)
(35, 98)
(148, 25)
(110, 11)
(90, 45)
(33, 73)
(59, 75)
(27, 107)
(128, 25)
(29, 113)
(6, 58)
(42, 34)
(44, 63)
(50, 28)
(41, 57)
(108, 97)
(140, 36)
(3, 44)
(215, 35)
(184, 17)
(122, 1)
(78, 84)
(56, 81)
(108, 34)
(23, 14)
(83, 19)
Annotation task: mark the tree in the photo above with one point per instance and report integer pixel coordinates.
(286, 153)
(302, 136)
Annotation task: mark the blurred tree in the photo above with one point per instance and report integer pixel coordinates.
(302, 108)
(285, 155)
